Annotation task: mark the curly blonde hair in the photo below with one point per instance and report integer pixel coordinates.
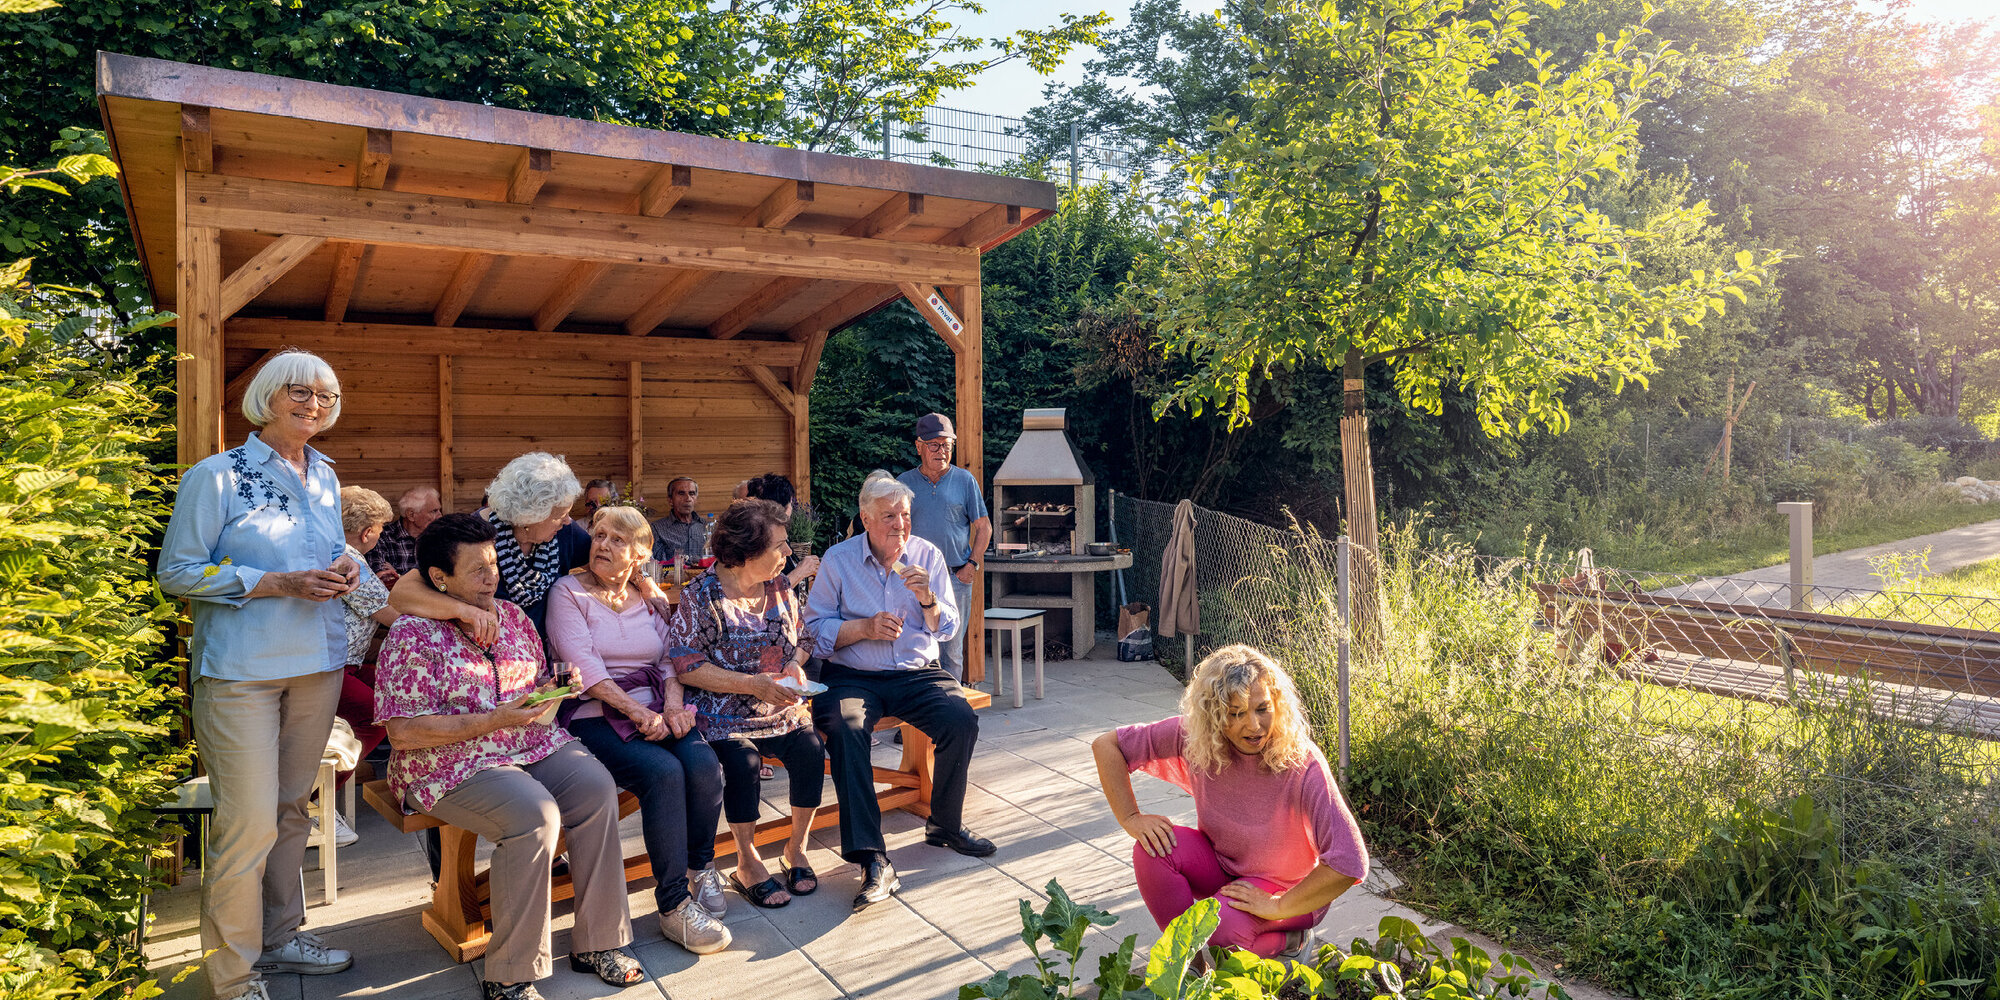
(1230, 672)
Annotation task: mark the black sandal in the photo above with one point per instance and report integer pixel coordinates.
(803, 873)
(761, 892)
(614, 967)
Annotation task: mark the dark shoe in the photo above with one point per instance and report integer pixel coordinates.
(803, 873)
(761, 893)
(962, 840)
(510, 991)
(614, 967)
(878, 882)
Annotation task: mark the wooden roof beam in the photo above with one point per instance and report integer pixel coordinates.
(399, 339)
(531, 171)
(985, 227)
(347, 258)
(840, 310)
(570, 289)
(892, 216)
(654, 311)
(782, 205)
(197, 140)
(808, 366)
(371, 169)
(430, 221)
(668, 186)
(263, 270)
(458, 291)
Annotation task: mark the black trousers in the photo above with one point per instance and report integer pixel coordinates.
(845, 715)
(742, 757)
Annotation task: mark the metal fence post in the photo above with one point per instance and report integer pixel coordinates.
(1802, 553)
(1072, 156)
(1343, 551)
(885, 133)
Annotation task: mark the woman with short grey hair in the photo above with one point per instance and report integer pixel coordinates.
(256, 544)
(529, 502)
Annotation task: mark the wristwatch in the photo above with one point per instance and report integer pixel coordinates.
(974, 562)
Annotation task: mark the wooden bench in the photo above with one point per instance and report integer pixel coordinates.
(1639, 627)
(462, 900)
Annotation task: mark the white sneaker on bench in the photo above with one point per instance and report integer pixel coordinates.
(306, 955)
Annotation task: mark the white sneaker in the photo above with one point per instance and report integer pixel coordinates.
(706, 887)
(306, 955)
(691, 926)
(343, 834)
(255, 990)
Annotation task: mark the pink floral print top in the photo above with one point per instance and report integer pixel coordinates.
(432, 668)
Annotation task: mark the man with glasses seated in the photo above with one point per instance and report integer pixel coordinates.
(948, 512)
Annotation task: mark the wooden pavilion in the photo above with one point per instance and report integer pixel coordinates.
(489, 282)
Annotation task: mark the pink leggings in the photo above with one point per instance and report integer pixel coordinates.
(1170, 885)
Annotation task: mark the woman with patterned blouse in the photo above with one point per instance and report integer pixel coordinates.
(255, 543)
(366, 611)
(470, 750)
(734, 641)
(636, 721)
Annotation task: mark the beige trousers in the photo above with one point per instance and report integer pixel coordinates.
(261, 743)
(521, 811)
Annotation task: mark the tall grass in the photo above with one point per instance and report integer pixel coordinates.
(1669, 843)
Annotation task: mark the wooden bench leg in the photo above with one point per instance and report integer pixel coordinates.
(454, 917)
(920, 759)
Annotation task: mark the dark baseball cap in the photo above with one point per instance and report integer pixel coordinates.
(932, 426)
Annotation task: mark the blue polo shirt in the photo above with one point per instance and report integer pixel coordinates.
(943, 512)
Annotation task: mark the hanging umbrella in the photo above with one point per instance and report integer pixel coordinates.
(1180, 606)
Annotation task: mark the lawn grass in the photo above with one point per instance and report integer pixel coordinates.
(1768, 543)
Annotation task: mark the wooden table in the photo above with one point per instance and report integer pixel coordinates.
(462, 901)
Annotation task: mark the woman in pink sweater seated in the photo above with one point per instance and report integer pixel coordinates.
(1274, 840)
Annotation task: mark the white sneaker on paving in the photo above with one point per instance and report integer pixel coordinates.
(254, 990)
(306, 955)
(691, 926)
(343, 834)
(706, 887)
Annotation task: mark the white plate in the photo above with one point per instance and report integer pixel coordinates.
(807, 687)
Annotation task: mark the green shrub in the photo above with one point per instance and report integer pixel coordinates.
(86, 741)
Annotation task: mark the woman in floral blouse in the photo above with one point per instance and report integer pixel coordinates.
(735, 643)
(471, 751)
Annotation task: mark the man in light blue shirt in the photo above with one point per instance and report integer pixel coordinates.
(873, 615)
(947, 511)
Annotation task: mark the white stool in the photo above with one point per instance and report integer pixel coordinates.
(323, 810)
(1017, 621)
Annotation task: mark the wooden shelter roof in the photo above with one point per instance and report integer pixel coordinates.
(339, 204)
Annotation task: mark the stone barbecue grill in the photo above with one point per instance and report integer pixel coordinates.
(1044, 520)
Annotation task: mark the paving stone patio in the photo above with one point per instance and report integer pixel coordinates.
(956, 919)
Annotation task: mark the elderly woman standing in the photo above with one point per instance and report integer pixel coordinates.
(255, 542)
(536, 543)
(636, 721)
(471, 750)
(735, 636)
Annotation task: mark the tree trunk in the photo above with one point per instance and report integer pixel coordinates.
(1357, 465)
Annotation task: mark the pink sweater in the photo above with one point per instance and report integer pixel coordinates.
(1273, 826)
(604, 644)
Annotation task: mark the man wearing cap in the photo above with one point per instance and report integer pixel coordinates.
(948, 512)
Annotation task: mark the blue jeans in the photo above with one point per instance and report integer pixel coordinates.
(679, 785)
(951, 655)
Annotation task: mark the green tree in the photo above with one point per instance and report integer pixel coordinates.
(1379, 205)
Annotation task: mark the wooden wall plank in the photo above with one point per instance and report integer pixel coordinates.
(446, 474)
(635, 423)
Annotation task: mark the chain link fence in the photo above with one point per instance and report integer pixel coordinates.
(1650, 705)
(953, 137)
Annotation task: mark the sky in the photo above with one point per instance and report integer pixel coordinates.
(1012, 89)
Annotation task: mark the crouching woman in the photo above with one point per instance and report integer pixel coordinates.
(1273, 839)
(471, 750)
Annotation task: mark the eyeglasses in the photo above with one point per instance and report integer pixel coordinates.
(301, 393)
(941, 444)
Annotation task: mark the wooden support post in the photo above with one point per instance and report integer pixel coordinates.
(635, 423)
(802, 379)
(971, 426)
(198, 300)
(447, 481)
(768, 382)
(936, 311)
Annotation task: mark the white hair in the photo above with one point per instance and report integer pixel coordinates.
(881, 486)
(530, 488)
(412, 499)
(289, 367)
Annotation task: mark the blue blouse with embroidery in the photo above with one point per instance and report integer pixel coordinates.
(239, 515)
